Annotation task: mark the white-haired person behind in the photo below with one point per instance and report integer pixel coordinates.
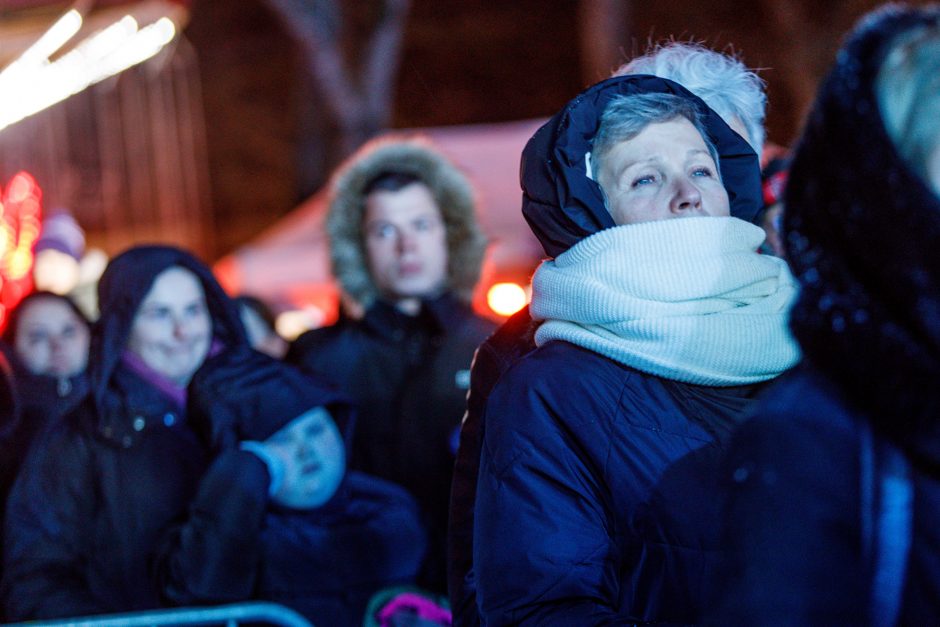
(835, 512)
(727, 86)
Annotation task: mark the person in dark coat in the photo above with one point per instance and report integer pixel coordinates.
(730, 89)
(48, 338)
(597, 499)
(835, 508)
(100, 486)
(277, 517)
(407, 250)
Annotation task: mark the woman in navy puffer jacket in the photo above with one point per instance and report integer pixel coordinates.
(598, 480)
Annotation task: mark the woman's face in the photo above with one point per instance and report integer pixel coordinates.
(172, 329)
(315, 460)
(665, 172)
(51, 339)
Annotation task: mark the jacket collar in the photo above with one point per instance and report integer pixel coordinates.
(435, 316)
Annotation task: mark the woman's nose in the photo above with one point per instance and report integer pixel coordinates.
(685, 197)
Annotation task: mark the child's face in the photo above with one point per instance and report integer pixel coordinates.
(315, 460)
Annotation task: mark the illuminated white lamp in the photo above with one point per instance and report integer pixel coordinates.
(292, 323)
(506, 298)
(55, 271)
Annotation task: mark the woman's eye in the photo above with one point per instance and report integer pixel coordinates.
(424, 224)
(157, 313)
(703, 171)
(643, 180)
(383, 231)
(34, 339)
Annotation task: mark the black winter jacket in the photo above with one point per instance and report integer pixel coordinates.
(99, 488)
(40, 400)
(409, 377)
(608, 477)
(795, 519)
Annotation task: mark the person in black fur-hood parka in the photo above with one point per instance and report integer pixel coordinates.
(98, 487)
(836, 507)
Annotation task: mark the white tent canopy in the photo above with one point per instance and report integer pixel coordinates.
(288, 264)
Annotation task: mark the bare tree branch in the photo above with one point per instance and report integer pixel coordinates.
(361, 105)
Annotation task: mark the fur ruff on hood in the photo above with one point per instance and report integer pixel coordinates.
(466, 243)
(862, 235)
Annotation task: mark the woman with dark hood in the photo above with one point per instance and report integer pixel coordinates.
(835, 512)
(47, 338)
(277, 517)
(597, 499)
(99, 487)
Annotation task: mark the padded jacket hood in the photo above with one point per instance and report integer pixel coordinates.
(563, 205)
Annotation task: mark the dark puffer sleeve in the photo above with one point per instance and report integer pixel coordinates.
(543, 546)
(215, 555)
(46, 553)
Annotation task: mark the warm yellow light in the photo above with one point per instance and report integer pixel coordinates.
(292, 323)
(506, 298)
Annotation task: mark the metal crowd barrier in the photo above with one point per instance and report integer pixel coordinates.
(229, 615)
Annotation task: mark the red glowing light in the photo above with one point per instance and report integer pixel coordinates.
(20, 225)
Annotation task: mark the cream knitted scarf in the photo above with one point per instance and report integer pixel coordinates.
(687, 299)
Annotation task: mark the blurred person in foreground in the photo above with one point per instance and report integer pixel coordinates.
(835, 509)
(100, 485)
(730, 89)
(660, 322)
(277, 517)
(406, 247)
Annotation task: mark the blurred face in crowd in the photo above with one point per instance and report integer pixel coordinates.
(172, 329)
(315, 460)
(51, 339)
(406, 244)
(665, 172)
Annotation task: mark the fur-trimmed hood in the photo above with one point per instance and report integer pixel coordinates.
(862, 235)
(450, 188)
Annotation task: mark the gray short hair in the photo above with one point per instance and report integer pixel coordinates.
(726, 85)
(908, 93)
(626, 116)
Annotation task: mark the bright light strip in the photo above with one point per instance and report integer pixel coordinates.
(57, 36)
(100, 56)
